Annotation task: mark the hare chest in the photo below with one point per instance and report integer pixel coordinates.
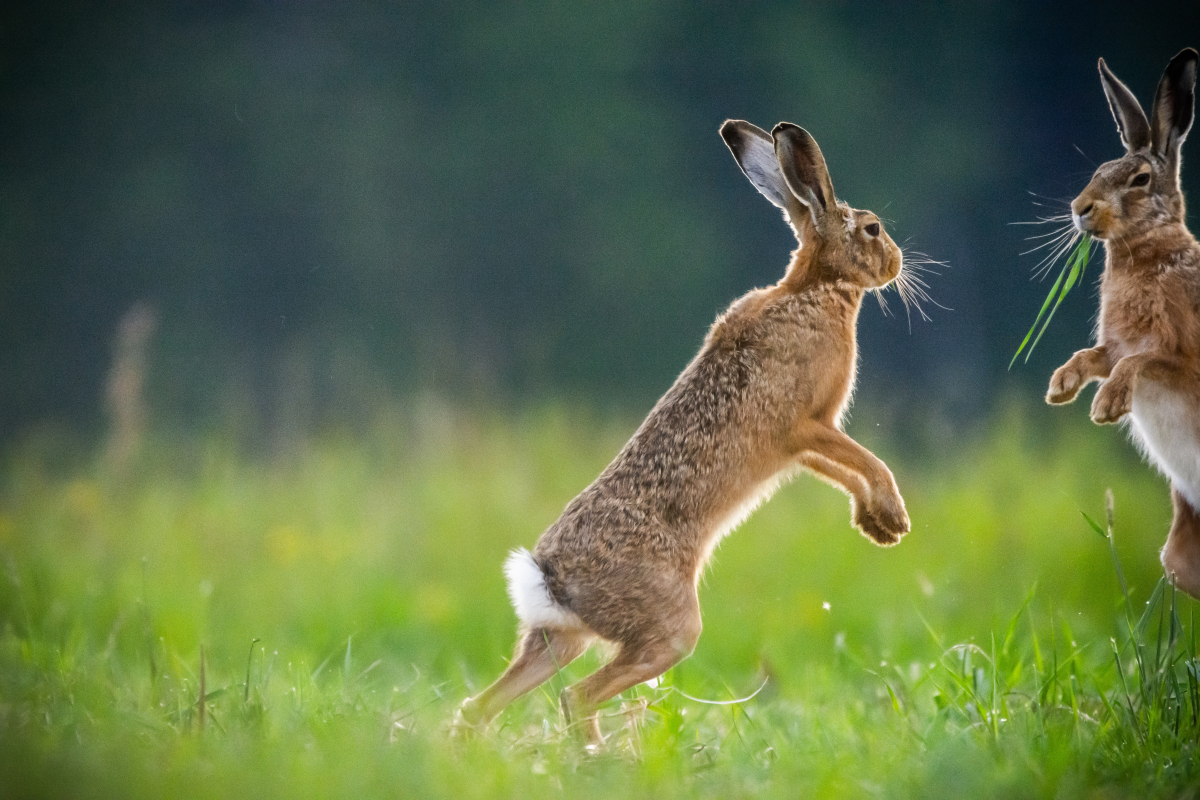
(740, 512)
(1166, 424)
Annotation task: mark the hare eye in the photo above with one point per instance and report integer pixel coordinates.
(872, 229)
(1141, 179)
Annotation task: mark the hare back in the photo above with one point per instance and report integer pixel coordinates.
(1166, 426)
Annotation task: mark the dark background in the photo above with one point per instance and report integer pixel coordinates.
(344, 205)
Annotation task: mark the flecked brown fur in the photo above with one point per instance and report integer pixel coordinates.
(1147, 352)
(762, 399)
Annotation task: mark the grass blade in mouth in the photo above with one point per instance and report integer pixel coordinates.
(1070, 274)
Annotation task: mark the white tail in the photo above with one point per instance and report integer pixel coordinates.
(530, 597)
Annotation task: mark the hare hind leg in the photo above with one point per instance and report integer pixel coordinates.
(1181, 554)
(540, 653)
(637, 661)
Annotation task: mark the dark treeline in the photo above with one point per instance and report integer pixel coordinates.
(334, 204)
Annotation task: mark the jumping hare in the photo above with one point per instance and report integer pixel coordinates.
(763, 399)
(1148, 336)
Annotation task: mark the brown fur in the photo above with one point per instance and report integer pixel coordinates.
(1148, 334)
(763, 398)
(1182, 550)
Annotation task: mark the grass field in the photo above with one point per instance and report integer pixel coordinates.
(338, 603)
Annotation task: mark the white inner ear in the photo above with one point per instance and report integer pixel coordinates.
(761, 166)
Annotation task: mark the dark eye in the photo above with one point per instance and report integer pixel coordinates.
(872, 229)
(1141, 179)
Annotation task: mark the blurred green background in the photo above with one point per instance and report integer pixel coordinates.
(310, 311)
(334, 205)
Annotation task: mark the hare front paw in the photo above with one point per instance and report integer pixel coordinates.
(1064, 384)
(883, 522)
(1113, 401)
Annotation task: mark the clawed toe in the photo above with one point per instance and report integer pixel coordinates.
(1063, 388)
(1059, 397)
(884, 535)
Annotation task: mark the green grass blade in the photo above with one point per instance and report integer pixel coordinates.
(1011, 632)
(249, 660)
(1039, 663)
(993, 707)
(1110, 514)
(1033, 327)
(1072, 271)
(1094, 525)
(1151, 606)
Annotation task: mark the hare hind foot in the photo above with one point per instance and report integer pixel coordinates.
(634, 663)
(541, 652)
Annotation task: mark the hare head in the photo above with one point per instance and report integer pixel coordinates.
(842, 244)
(1141, 190)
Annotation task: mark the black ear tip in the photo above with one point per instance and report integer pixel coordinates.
(1189, 57)
(1182, 69)
(794, 135)
(1185, 57)
(729, 130)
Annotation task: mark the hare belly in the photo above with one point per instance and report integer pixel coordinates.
(1166, 424)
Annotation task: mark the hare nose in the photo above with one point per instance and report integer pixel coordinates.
(1080, 217)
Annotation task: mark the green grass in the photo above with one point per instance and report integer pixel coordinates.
(349, 596)
(1078, 250)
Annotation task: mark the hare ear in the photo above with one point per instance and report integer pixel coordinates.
(754, 152)
(1174, 104)
(804, 168)
(1126, 110)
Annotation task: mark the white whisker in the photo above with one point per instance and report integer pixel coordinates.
(911, 286)
(887, 312)
(1061, 247)
(926, 267)
(1058, 232)
(1044, 220)
(1067, 231)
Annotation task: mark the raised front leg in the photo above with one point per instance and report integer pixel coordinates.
(878, 508)
(1080, 370)
(1115, 398)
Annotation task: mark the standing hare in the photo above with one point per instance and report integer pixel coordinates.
(762, 399)
(1148, 336)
